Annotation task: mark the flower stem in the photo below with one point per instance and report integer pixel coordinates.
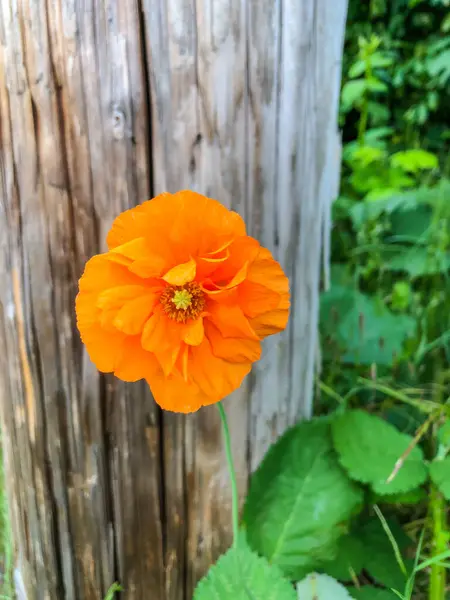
(439, 544)
(234, 490)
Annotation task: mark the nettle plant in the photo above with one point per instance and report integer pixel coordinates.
(313, 513)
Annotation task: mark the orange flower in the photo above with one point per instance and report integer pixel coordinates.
(182, 299)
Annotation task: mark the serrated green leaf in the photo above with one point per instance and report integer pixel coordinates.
(407, 498)
(418, 262)
(321, 587)
(240, 574)
(380, 561)
(362, 327)
(414, 160)
(349, 559)
(369, 449)
(443, 434)
(440, 474)
(367, 592)
(299, 500)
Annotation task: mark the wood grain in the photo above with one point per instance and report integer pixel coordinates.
(102, 104)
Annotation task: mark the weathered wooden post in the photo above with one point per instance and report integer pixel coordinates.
(102, 104)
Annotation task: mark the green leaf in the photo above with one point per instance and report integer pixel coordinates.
(357, 69)
(440, 474)
(362, 327)
(369, 449)
(380, 561)
(240, 574)
(412, 225)
(443, 434)
(407, 498)
(349, 559)
(321, 587)
(113, 590)
(299, 500)
(367, 592)
(415, 160)
(418, 262)
(352, 93)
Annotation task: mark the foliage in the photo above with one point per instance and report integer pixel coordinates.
(440, 474)
(368, 592)
(290, 516)
(385, 318)
(321, 587)
(113, 591)
(241, 574)
(369, 448)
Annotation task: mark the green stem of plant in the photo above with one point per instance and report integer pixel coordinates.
(364, 118)
(438, 544)
(234, 488)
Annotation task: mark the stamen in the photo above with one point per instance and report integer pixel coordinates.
(182, 303)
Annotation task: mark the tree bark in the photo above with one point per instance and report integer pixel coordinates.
(103, 104)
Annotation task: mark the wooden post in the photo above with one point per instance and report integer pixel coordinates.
(102, 104)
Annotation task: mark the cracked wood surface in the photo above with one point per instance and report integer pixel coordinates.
(102, 104)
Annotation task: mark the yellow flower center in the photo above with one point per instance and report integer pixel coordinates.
(182, 303)
(182, 299)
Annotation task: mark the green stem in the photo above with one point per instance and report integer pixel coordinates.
(364, 118)
(234, 489)
(438, 544)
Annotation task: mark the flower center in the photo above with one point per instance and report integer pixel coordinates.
(181, 303)
(182, 299)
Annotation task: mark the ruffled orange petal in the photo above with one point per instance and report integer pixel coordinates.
(103, 346)
(175, 394)
(202, 224)
(132, 317)
(178, 225)
(101, 273)
(230, 320)
(273, 321)
(181, 274)
(255, 299)
(243, 252)
(266, 271)
(234, 350)
(162, 336)
(193, 332)
(135, 363)
(115, 297)
(137, 222)
(215, 377)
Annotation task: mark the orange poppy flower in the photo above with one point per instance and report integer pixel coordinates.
(182, 298)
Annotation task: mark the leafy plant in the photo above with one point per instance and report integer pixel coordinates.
(299, 500)
(240, 574)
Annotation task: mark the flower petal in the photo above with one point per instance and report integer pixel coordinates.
(115, 297)
(266, 271)
(255, 299)
(234, 350)
(230, 320)
(243, 252)
(273, 321)
(136, 222)
(132, 317)
(162, 336)
(193, 332)
(100, 274)
(216, 377)
(104, 347)
(175, 394)
(134, 362)
(181, 274)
